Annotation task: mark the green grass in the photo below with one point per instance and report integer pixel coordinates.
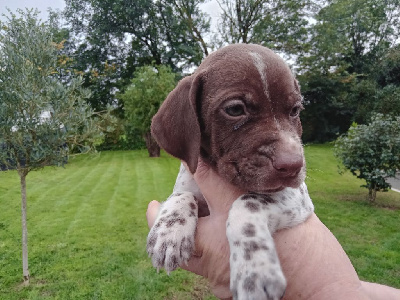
(369, 233)
(87, 231)
(87, 227)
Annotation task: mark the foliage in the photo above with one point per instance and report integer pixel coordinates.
(345, 52)
(143, 97)
(352, 48)
(279, 24)
(370, 99)
(41, 116)
(388, 100)
(388, 69)
(353, 33)
(166, 31)
(124, 137)
(38, 112)
(326, 114)
(372, 152)
(129, 34)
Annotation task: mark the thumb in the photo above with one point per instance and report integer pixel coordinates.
(152, 212)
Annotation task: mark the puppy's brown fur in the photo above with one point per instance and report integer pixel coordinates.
(240, 112)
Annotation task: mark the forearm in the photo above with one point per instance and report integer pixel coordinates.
(315, 265)
(380, 292)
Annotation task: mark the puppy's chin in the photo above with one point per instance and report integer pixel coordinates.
(259, 178)
(268, 185)
(282, 183)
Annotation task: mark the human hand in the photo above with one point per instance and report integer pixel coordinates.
(211, 257)
(314, 263)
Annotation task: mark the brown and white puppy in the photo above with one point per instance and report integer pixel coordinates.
(239, 112)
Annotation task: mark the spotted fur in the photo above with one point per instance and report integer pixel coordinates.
(255, 268)
(259, 150)
(170, 242)
(253, 218)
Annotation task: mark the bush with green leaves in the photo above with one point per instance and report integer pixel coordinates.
(142, 99)
(372, 152)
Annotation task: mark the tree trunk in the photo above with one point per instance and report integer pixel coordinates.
(152, 146)
(25, 270)
(372, 195)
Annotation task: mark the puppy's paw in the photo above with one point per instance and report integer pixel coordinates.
(256, 273)
(257, 286)
(170, 242)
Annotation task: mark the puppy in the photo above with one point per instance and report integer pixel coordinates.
(239, 112)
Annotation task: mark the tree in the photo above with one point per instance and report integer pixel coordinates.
(350, 42)
(41, 117)
(142, 99)
(353, 33)
(278, 24)
(325, 116)
(372, 152)
(131, 33)
(388, 70)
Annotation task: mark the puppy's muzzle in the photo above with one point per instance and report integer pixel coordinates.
(288, 164)
(286, 157)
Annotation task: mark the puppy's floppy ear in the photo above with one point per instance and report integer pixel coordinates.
(175, 126)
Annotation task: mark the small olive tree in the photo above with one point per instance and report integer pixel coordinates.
(372, 152)
(41, 115)
(142, 99)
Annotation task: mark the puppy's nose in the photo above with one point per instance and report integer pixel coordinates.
(288, 164)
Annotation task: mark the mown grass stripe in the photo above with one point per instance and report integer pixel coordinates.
(91, 202)
(103, 256)
(108, 215)
(62, 201)
(58, 176)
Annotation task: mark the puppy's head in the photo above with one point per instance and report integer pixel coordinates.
(240, 112)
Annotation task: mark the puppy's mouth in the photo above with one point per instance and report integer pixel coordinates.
(265, 185)
(261, 176)
(270, 191)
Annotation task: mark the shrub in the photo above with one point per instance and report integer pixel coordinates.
(372, 152)
(142, 99)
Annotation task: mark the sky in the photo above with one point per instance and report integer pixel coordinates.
(211, 7)
(41, 5)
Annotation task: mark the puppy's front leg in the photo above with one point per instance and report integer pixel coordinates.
(255, 269)
(170, 242)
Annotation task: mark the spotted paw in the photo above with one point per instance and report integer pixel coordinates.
(170, 242)
(255, 268)
(258, 281)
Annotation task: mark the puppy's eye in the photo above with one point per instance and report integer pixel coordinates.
(235, 110)
(295, 112)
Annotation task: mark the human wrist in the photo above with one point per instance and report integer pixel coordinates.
(315, 265)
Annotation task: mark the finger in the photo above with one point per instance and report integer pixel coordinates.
(152, 211)
(211, 256)
(219, 193)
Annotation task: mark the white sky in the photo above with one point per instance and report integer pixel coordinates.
(211, 7)
(41, 5)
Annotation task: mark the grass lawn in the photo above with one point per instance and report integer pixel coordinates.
(87, 227)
